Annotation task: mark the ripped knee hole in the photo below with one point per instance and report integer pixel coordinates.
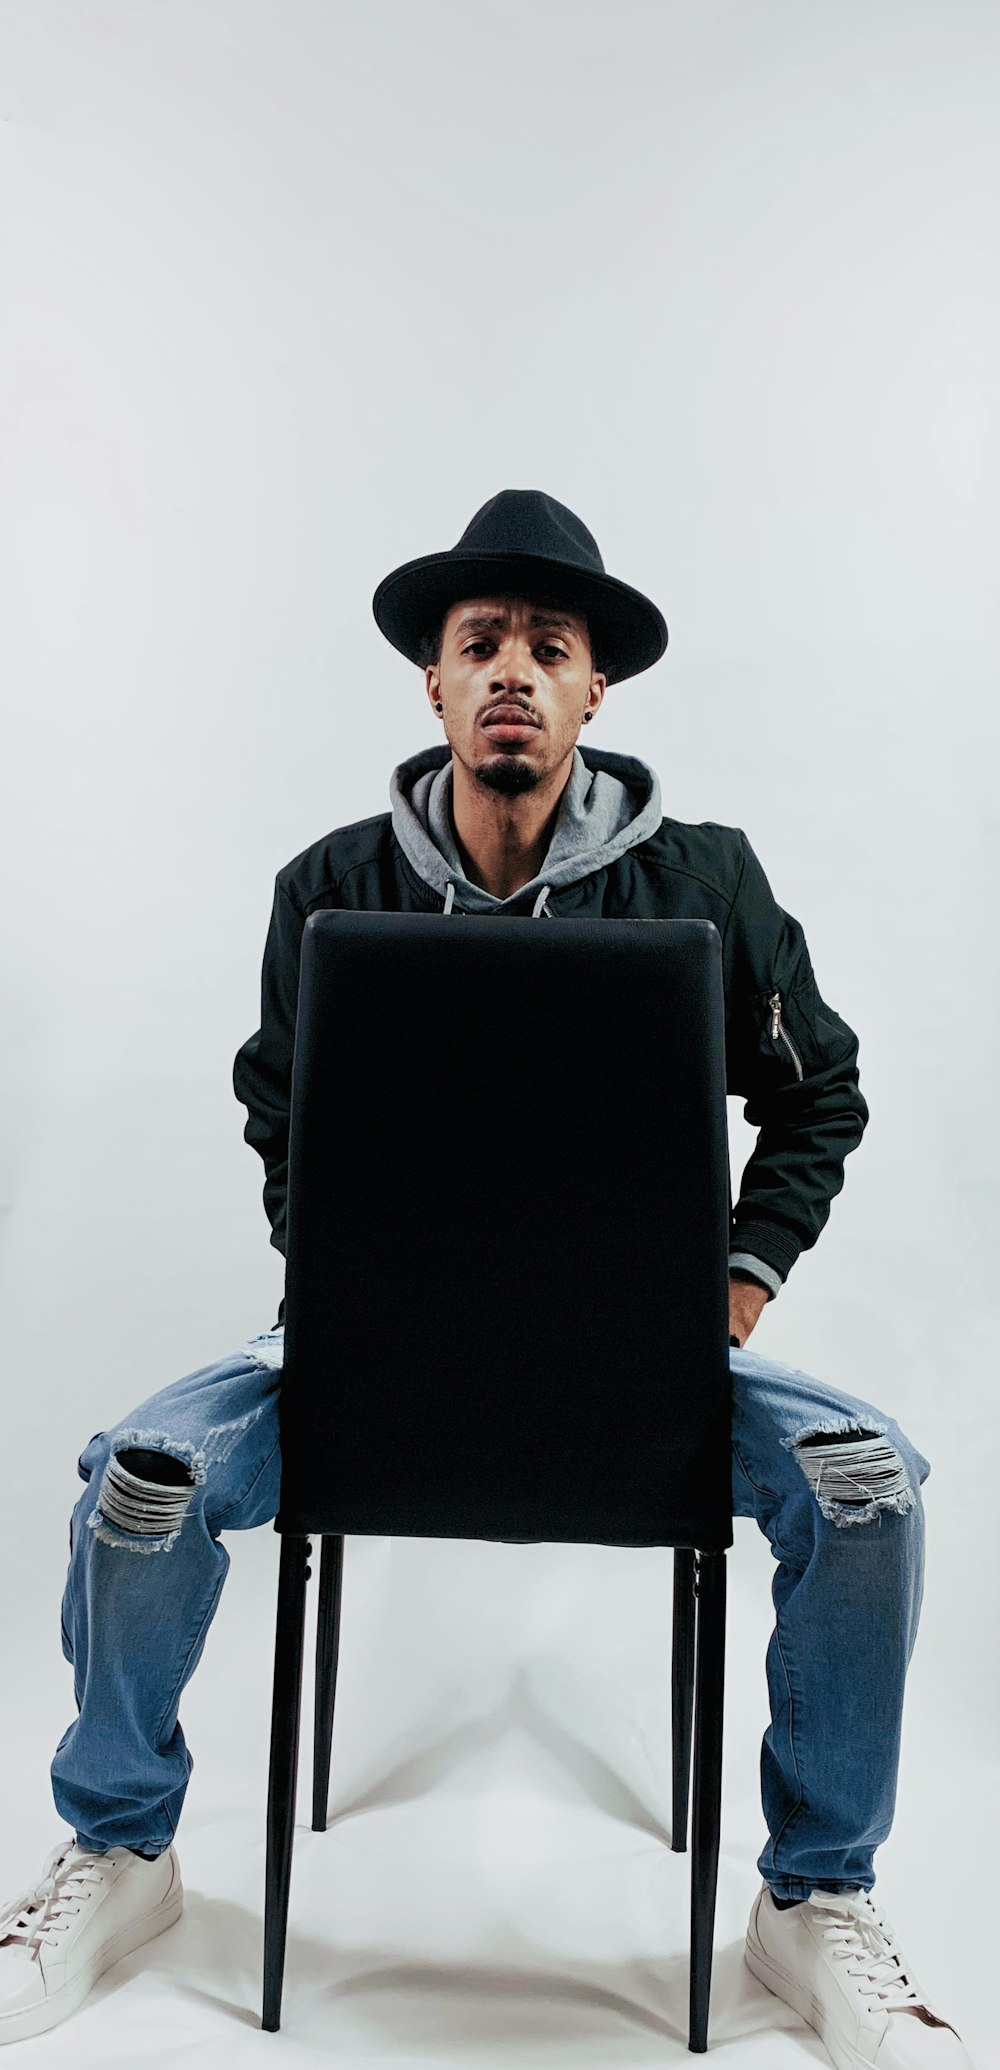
(146, 1491)
(855, 1474)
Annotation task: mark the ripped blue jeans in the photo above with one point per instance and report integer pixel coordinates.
(833, 1483)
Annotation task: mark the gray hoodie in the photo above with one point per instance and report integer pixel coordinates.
(602, 813)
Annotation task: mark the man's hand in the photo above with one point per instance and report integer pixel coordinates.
(746, 1299)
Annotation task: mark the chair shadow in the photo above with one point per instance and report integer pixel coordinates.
(418, 1773)
(454, 2007)
(465, 2003)
(468, 2004)
(477, 2003)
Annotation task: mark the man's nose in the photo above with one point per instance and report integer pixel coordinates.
(513, 666)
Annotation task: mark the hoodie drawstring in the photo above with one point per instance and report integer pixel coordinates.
(539, 911)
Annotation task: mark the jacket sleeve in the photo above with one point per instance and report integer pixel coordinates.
(262, 1071)
(795, 1061)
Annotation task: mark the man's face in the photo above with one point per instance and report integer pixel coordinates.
(515, 678)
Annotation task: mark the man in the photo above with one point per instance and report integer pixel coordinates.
(520, 630)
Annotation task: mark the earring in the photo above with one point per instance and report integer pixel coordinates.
(587, 718)
(439, 707)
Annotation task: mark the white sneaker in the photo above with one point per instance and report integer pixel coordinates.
(838, 1962)
(84, 1914)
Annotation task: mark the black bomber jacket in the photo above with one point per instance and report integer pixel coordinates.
(789, 1055)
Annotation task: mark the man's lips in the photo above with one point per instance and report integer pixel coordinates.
(510, 717)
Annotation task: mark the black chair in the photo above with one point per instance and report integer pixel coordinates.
(554, 1094)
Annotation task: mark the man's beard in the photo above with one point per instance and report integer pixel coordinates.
(509, 774)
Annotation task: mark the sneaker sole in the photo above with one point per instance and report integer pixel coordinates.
(784, 1986)
(37, 2019)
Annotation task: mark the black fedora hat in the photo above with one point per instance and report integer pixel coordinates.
(523, 543)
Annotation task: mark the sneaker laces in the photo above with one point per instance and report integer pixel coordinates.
(860, 1936)
(38, 1916)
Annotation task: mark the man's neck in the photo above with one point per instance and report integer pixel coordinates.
(503, 841)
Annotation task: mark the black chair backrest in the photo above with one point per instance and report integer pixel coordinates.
(506, 1308)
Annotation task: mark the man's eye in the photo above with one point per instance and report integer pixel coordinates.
(548, 647)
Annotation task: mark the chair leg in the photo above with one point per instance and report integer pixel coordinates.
(331, 1574)
(293, 1573)
(710, 1656)
(682, 1694)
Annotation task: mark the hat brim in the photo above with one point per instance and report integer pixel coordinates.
(628, 631)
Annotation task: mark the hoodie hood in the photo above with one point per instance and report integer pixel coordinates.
(610, 803)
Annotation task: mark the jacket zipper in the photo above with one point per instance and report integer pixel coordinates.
(777, 1029)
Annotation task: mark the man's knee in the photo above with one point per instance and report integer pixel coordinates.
(859, 1470)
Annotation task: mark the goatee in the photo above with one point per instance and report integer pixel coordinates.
(508, 774)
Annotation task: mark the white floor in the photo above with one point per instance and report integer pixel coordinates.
(496, 1885)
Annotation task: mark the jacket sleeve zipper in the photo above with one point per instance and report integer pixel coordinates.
(777, 1029)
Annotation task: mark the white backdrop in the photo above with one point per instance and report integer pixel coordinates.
(289, 292)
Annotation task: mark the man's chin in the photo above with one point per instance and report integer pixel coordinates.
(508, 773)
